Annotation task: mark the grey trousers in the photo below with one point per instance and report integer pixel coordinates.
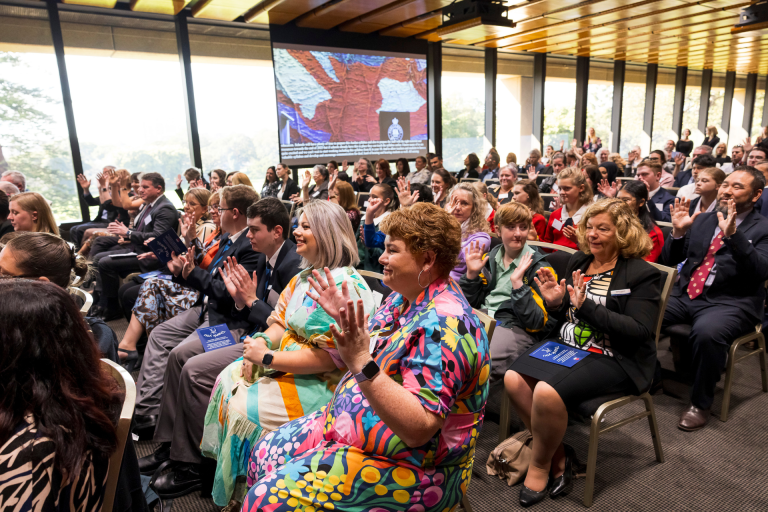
(189, 379)
(164, 338)
(508, 344)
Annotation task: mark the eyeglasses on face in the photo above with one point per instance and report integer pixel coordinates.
(220, 209)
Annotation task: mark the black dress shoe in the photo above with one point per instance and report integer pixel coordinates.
(95, 311)
(563, 484)
(183, 479)
(148, 464)
(144, 426)
(530, 497)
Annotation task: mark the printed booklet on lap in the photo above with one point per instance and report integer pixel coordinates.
(558, 353)
(165, 244)
(215, 337)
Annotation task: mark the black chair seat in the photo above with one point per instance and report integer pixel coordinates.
(585, 410)
(678, 330)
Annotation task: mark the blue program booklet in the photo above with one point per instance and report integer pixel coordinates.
(165, 244)
(558, 353)
(215, 337)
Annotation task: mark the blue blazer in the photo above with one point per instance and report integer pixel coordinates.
(663, 198)
(741, 263)
(683, 177)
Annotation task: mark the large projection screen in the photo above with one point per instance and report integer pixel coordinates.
(342, 104)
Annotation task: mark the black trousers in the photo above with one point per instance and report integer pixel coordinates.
(713, 328)
(76, 232)
(112, 269)
(128, 293)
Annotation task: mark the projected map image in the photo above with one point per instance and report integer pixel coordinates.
(335, 104)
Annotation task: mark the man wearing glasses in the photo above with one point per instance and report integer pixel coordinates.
(215, 308)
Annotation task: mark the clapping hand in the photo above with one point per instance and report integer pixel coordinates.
(727, 224)
(352, 340)
(370, 179)
(551, 291)
(577, 291)
(473, 256)
(608, 190)
(556, 203)
(84, 182)
(189, 263)
(570, 233)
(327, 294)
(176, 264)
(240, 285)
(404, 193)
(117, 228)
(519, 273)
(681, 217)
(187, 228)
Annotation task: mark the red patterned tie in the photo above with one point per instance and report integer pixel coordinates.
(701, 273)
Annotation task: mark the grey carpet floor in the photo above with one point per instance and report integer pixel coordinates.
(719, 468)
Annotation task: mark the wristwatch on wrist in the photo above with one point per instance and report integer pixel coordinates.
(128, 234)
(267, 359)
(369, 371)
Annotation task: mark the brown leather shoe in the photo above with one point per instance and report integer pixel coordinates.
(693, 419)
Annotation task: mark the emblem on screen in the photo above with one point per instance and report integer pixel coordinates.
(395, 131)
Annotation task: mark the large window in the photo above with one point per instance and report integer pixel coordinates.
(691, 107)
(632, 111)
(716, 99)
(662, 110)
(600, 100)
(737, 133)
(559, 102)
(757, 114)
(514, 106)
(463, 95)
(33, 130)
(237, 132)
(128, 101)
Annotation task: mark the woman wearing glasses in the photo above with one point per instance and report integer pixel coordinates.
(161, 299)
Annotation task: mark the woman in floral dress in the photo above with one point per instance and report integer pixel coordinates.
(401, 429)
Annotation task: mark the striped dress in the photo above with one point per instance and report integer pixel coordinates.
(240, 413)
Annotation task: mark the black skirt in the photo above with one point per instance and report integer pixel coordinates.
(595, 375)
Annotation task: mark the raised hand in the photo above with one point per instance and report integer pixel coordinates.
(562, 145)
(532, 174)
(747, 145)
(306, 179)
(189, 263)
(556, 203)
(574, 143)
(327, 294)
(334, 177)
(519, 273)
(187, 228)
(179, 180)
(241, 286)
(84, 182)
(577, 291)
(727, 224)
(375, 207)
(608, 190)
(681, 218)
(102, 179)
(551, 291)
(473, 256)
(352, 339)
(344, 166)
(404, 193)
(680, 160)
(114, 179)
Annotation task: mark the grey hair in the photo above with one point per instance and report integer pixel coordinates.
(322, 170)
(332, 229)
(9, 188)
(707, 149)
(535, 152)
(17, 178)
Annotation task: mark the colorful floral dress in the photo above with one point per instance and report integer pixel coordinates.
(345, 457)
(240, 413)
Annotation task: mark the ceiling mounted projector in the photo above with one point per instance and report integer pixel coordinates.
(471, 20)
(751, 18)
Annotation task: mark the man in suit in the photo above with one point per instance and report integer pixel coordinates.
(157, 216)
(214, 309)
(659, 199)
(191, 372)
(720, 292)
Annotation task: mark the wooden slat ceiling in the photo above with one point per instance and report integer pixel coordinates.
(689, 33)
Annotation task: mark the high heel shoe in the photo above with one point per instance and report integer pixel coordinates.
(530, 497)
(129, 362)
(563, 484)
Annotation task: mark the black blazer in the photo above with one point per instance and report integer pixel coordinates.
(741, 263)
(211, 284)
(664, 198)
(711, 142)
(105, 206)
(683, 177)
(628, 320)
(162, 218)
(467, 173)
(286, 266)
(290, 188)
(5, 227)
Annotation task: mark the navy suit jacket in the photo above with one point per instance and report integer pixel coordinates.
(761, 206)
(741, 264)
(664, 198)
(210, 283)
(683, 177)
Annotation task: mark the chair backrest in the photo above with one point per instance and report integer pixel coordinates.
(126, 384)
(290, 206)
(86, 297)
(548, 245)
(625, 178)
(362, 200)
(669, 282)
(547, 199)
(672, 190)
(379, 289)
(462, 180)
(489, 324)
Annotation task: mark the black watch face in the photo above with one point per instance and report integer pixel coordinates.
(370, 370)
(267, 359)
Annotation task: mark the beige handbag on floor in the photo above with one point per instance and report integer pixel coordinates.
(510, 459)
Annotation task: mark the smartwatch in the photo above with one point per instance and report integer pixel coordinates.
(369, 371)
(267, 359)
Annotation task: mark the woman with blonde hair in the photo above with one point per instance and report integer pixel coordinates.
(29, 211)
(721, 157)
(712, 139)
(256, 395)
(467, 206)
(606, 309)
(240, 178)
(575, 195)
(592, 143)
